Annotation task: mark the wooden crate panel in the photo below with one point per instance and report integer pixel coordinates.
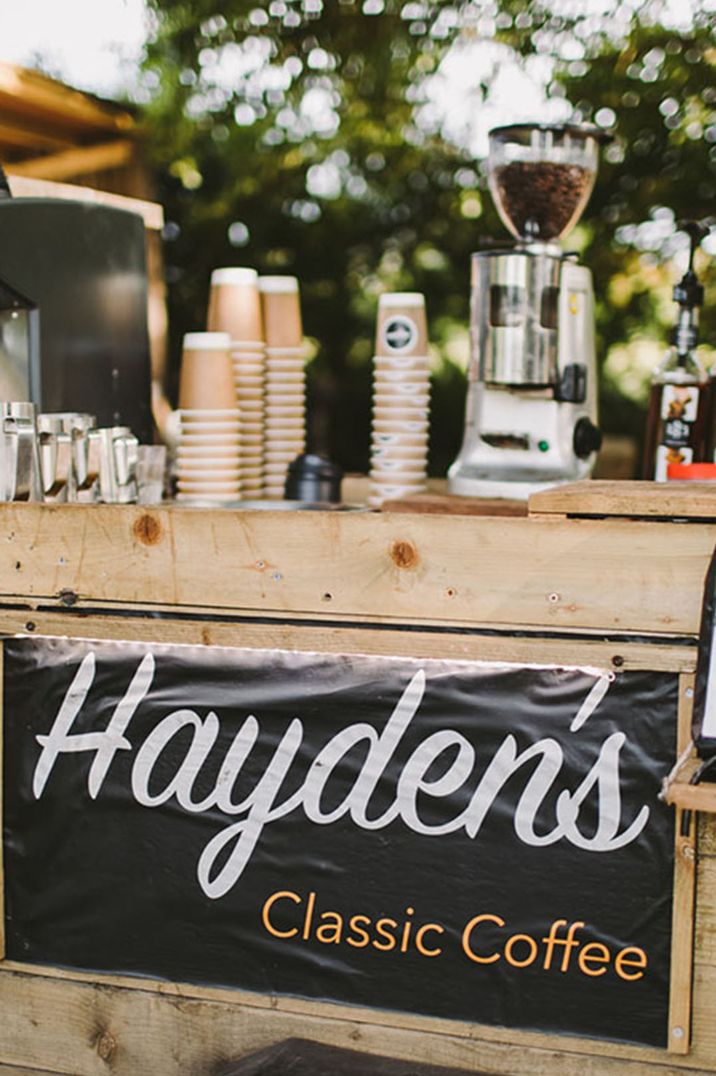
(555, 576)
(88, 1029)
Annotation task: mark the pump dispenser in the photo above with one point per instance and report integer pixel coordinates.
(680, 400)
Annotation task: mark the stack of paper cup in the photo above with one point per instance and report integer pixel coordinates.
(285, 430)
(235, 308)
(401, 399)
(207, 463)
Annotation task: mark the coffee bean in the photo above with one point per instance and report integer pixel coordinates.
(542, 198)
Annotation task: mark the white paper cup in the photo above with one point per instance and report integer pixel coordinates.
(397, 440)
(277, 424)
(407, 390)
(401, 377)
(206, 463)
(277, 466)
(201, 500)
(296, 446)
(208, 487)
(201, 439)
(285, 352)
(285, 396)
(401, 425)
(206, 449)
(394, 452)
(391, 490)
(290, 366)
(253, 392)
(251, 352)
(402, 362)
(210, 427)
(248, 381)
(206, 414)
(285, 375)
(248, 360)
(401, 409)
(249, 369)
(289, 410)
(397, 474)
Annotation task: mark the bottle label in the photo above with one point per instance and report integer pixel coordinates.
(679, 408)
(679, 404)
(666, 455)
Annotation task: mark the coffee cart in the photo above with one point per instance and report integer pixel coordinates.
(601, 580)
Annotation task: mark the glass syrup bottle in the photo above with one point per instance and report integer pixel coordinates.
(679, 416)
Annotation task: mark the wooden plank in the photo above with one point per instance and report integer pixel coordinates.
(81, 1025)
(691, 797)
(13, 1070)
(2, 801)
(26, 187)
(14, 138)
(508, 573)
(679, 500)
(705, 925)
(707, 836)
(25, 93)
(337, 639)
(452, 505)
(78, 161)
(703, 1040)
(682, 910)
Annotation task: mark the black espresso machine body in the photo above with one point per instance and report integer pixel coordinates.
(83, 267)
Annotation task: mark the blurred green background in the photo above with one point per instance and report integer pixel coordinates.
(341, 141)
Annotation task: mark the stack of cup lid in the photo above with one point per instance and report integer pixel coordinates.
(401, 399)
(235, 308)
(285, 429)
(207, 462)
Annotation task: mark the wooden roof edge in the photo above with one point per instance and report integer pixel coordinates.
(27, 92)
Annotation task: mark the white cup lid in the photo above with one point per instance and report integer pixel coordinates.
(402, 298)
(278, 284)
(207, 341)
(234, 275)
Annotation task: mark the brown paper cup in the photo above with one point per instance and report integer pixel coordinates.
(206, 377)
(402, 328)
(235, 304)
(281, 307)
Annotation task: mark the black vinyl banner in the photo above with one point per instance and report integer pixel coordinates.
(474, 841)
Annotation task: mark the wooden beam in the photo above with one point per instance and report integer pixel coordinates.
(550, 576)
(78, 161)
(633, 499)
(59, 1018)
(22, 137)
(29, 94)
(26, 187)
(682, 909)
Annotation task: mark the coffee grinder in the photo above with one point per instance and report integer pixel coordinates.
(532, 404)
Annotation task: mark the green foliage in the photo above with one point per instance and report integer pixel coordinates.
(293, 136)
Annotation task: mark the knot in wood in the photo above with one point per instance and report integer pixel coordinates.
(106, 1045)
(403, 553)
(147, 529)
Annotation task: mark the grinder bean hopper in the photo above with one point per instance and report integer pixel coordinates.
(531, 405)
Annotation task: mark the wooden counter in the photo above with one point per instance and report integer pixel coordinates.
(575, 583)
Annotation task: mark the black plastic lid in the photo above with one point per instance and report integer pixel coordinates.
(584, 130)
(313, 478)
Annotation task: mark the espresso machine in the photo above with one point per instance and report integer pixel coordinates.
(531, 414)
